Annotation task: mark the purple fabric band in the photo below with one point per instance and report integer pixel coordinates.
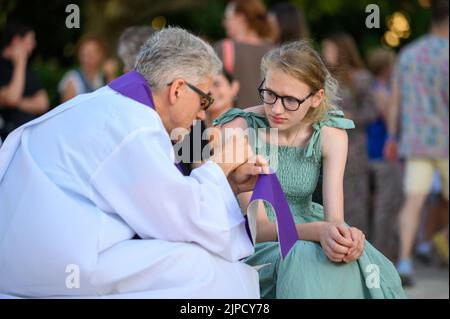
(268, 188)
(134, 86)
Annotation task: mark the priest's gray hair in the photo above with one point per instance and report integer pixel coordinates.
(173, 53)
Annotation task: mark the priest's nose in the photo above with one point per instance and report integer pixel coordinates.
(201, 115)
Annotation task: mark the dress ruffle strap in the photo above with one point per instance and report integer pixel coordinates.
(254, 120)
(335, 118)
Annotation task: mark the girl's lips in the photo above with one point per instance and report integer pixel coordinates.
(277, 119)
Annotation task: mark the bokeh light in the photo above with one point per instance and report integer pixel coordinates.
(399, 28)
(391, 39)
(159, 22)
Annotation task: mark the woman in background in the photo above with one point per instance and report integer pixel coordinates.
(385, 176)
(224, 91)
(249, 33)
(89, 76)
(22, 97)
(358, 103)
(290, 22)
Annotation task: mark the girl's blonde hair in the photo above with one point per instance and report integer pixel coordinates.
(301, 61)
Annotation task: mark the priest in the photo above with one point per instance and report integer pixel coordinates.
(92, 203)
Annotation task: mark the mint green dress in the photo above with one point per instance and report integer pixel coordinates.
(307, 272)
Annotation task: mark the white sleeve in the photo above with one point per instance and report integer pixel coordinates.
(139, 182)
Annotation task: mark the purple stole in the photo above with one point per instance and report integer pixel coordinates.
(268, 188)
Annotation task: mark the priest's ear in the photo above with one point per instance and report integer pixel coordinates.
(175, 90)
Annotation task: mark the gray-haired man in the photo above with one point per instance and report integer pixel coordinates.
(77, 184)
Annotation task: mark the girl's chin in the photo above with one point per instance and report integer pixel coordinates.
(276, 124)
(280, 126)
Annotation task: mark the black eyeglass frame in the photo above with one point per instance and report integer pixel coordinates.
(299, 101)
(203, 95)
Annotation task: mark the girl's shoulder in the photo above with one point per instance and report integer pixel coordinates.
(330, 130)
(238, 116)
(333, 136)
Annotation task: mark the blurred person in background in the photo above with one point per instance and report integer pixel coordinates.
(22, 97)
(130, 42)
(224, 91)
(290, 23)
(249, 33)
(89, 76)
(430, 238)
(385, 176)
(358, 102)
(420, 94)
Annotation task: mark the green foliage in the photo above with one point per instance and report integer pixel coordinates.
(50, 73)
(108, 18)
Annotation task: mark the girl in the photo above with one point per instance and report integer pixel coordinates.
(329, 259)
(89, 76)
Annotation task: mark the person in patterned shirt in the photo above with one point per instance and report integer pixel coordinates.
(420, 95)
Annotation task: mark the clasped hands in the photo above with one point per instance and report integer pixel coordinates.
(340, 242)
(235, 157)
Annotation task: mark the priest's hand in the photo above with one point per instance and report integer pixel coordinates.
(233, 152)
(237, 160)
(243, 178)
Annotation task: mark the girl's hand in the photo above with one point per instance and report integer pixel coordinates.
(356, 251)
(334, 242)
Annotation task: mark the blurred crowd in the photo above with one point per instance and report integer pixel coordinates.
(396, 180)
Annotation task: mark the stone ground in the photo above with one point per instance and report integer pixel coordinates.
(431, 283)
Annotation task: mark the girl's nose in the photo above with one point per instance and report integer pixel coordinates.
(277, 107)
